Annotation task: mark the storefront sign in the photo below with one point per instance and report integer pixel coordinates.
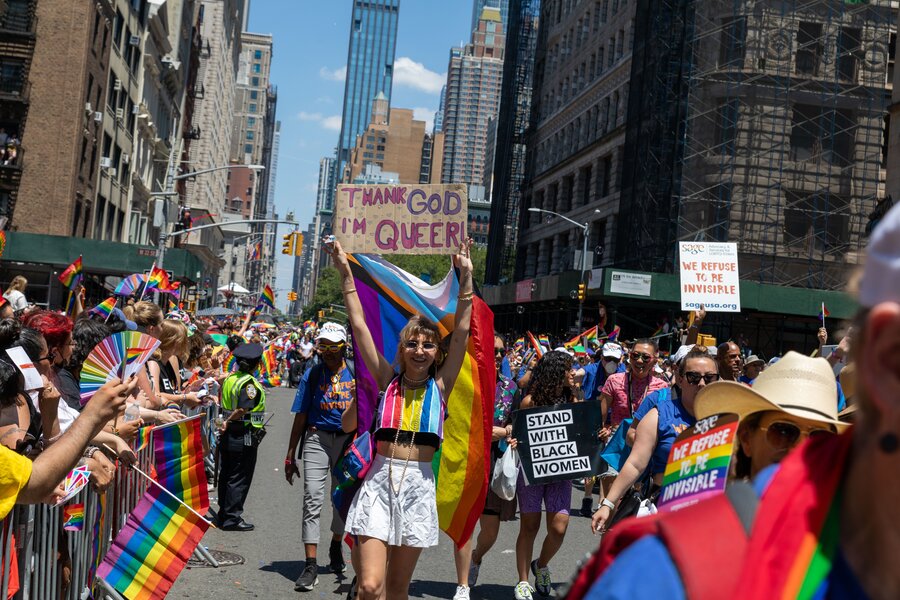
(633, 284)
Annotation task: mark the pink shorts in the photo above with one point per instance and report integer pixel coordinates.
(556, 497)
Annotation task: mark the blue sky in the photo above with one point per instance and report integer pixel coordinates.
(310, 53)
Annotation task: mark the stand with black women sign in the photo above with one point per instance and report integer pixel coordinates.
(558, 443)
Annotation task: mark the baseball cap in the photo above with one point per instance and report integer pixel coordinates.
(611, 350)
(332, 332)
(564, 349)
(129, 324)
(882, 268)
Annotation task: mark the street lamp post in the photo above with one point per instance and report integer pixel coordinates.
(584, 234)
(171, 178)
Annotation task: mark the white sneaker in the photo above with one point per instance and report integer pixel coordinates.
(524, 591)
(473, 573)
(462, 593)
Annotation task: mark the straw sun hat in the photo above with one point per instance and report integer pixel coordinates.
(796, 384)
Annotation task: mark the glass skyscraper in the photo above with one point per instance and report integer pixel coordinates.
(370, 68)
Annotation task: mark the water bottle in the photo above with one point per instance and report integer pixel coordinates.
(132, 412)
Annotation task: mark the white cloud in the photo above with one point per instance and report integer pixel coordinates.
(332, 122)
(415, 75)
(425, 114)
(338, 74)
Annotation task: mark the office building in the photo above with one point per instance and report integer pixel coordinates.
(478, 7)
(473, 96)
(370, 68)
(393, 141)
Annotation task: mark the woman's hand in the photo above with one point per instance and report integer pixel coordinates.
(102, 471)
(128, 430)
(605, 434)
(49, 396)
(338, 256)
(462, 260)
(598, 521)
(169, 415)
(513, 442)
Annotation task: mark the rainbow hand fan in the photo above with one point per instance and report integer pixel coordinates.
(120, 355)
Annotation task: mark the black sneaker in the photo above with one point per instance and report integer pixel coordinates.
(336, 558)
(587, 507)
(308, 578)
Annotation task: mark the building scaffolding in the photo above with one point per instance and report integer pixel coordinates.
(761, 123)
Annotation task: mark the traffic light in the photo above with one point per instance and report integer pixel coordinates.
(321, 315)
(581, 290)
(298, 243)
(292, 296)
(287, 246)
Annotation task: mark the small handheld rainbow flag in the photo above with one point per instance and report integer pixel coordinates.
(614, 334)
(71, 277)
(105, 308)
(158, 279)
(266, 298)
(823, 313)
(73, 517)
(545, 341)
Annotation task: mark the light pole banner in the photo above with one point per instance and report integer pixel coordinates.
(709, 276)
(401, 219)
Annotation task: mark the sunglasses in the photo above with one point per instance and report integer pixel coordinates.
(499, 351)
(427, 346)
(640, 357)
(693, 378)
(331, 347)
(782, 435)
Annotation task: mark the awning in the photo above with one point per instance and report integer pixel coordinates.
(100, 257)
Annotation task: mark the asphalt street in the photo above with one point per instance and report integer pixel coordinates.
(273, 554)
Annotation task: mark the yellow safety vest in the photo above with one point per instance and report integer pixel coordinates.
(231, 389)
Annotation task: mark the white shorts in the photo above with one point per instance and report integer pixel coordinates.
(407, 518)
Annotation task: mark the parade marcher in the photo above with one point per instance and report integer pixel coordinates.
(325, 391)
(553, 383)
(623, 393)
(395, 510)
(15, 293)
(728, 356)
(244, 404)
(753, 366)
(657, 422)
(496, 509)
(787, 403)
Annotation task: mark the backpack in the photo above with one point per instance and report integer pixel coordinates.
(724, 521)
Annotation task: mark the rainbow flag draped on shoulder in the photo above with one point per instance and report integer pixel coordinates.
(390, 296)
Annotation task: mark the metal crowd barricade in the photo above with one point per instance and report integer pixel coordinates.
(51, 563)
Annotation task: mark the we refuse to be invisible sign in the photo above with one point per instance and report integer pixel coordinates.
(401, 219)
(557, 443)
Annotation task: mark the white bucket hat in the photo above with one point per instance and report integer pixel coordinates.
(796, 384)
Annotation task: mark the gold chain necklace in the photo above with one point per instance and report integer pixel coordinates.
(397, 439)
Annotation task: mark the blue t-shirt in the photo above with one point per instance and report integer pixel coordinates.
(588, 383)
(322, 401)
(627, 576)
(505, 369)
(673, 419)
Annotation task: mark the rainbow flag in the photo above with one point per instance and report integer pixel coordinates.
(71, 303)
(72, 275)
(519, 343)
(143, 437)
(534, 344)
(2, 242)
(73, 517)
(179, 462)
(175, 289)
(268, 368)
(588, 335)
(614, 334)
(823, 312)
(545, 342)
(389, 297)
(153, 546)
(158, 279)
(105, 308)
(266, 298)
(256, 252)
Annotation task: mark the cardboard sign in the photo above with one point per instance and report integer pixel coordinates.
(709, 276)
(698, 462)
(558, 443)
(401, 219)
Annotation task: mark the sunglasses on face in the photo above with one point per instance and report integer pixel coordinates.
(693, 378)
(499, 351)
(782, 435)
(640, 357)
(413, 345)
(331, 347)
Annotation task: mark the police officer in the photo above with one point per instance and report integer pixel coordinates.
(244, 403)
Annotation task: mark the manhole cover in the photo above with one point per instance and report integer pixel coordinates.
(225, 559)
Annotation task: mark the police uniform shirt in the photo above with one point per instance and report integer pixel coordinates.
(248, 397)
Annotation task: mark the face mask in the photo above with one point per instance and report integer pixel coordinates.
(610, 367)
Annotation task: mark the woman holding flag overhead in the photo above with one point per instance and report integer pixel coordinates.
(394, 513)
